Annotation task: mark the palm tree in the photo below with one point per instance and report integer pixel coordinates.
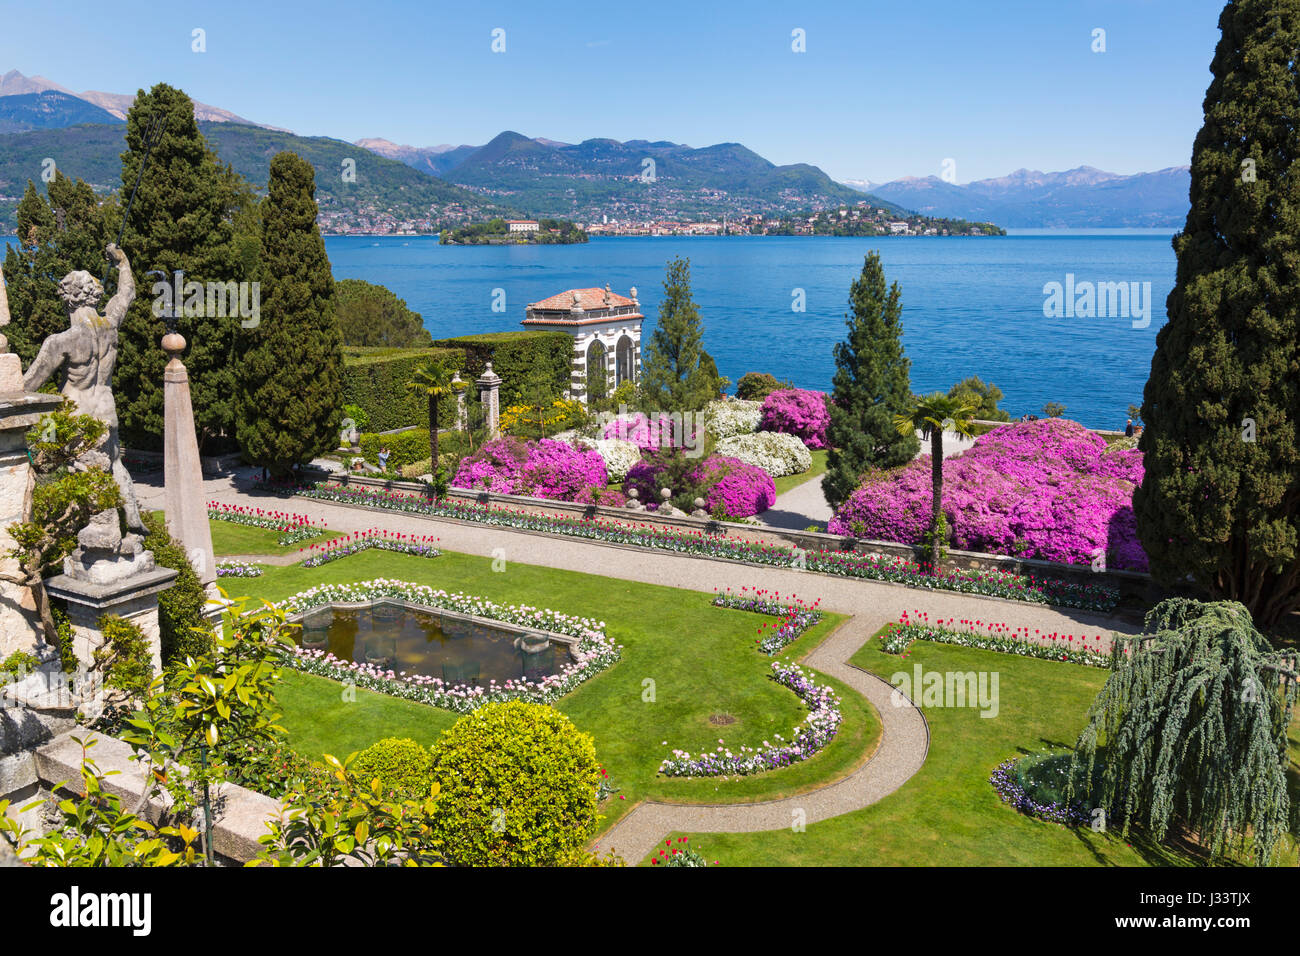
(932, 415)
(434, 380)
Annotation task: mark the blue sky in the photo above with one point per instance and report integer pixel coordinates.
(886, 88)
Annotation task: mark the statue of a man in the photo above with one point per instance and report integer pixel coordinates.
(87, 353)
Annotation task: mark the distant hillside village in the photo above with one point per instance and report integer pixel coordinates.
(514, 232)
(860, 220)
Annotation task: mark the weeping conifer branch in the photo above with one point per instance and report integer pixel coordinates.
(1191, 730)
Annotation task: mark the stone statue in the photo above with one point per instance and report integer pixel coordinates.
(87, 352)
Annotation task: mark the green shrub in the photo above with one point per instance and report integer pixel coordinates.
(516, 357)
(63, 627)
(375, 380)
(184, 630)
(17, 663)
(404, 448)
(124, 655)
(358, 416)
(756, 386)
(402, 766)
(519, 786)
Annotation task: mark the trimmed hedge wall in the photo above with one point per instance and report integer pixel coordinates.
(375, 379)
(514, 356)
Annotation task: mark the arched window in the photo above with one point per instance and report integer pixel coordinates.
(624, 364)
(597, 375)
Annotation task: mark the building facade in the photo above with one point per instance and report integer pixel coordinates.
(606, 330)
(523, 225)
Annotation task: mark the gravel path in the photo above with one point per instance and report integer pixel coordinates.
(801, 506)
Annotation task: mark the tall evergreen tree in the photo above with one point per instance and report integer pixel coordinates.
(193, 214)
(55, 236)
(1221, 496)
(872, 384)
(674, 376)
(291, 371)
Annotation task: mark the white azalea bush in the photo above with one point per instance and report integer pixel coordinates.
(776, 453)
(619, 456)
(731, 417)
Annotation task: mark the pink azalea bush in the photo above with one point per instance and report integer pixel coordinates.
(544, 469)
(797, 411)
(644, 432)
(1047, 489)
(741, 490)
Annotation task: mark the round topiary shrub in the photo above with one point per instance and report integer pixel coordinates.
(518, 787)
(402, 766)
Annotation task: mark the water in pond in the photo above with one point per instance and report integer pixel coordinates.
(431, 644)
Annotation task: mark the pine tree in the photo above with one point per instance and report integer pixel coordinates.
(871, 386)
(193, 214)
(1221, 496)
(55, 236)
(291, 372)
(1191, 730)
(673, 376)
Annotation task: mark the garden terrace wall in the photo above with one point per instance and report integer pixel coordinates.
(1129, 583)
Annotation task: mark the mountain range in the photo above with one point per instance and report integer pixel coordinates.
(1028, 199)
(400, 187)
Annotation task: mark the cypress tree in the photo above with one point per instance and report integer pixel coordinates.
(291, 370)
(190, 213)
(872, 385)
(673, 374)
(1221, 496)
(55, 237)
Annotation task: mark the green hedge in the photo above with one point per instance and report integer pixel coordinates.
(375, 379)
(404, 448)
(514, 356)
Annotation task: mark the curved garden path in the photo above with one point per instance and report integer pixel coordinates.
(871, 604)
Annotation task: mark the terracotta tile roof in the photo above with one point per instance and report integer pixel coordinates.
(588, 300)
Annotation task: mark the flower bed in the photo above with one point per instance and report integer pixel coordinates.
(292, 527)
(776, 453)
(1094, 597)
(1048, 489)
(545, 469)
(817, 730)
(238, 569)
(796, 617)
(378, 538)
(1011, 791)
(797, 411)
(989, 636)
(594, 651)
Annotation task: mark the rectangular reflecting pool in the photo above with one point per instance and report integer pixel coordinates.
(432, 643)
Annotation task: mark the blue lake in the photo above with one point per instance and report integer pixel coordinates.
(970, 306)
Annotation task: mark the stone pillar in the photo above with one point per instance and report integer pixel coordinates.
(462, 417)
(134, 598)
(489, 388)
(19, 410)
(184, 502)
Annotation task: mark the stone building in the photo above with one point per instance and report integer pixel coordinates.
(606, 330)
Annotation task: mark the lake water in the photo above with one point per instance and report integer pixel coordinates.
(970, 306)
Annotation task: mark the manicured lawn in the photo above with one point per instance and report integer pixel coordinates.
(231, 538)
(948, 814)
(683, 662)
(818, 468)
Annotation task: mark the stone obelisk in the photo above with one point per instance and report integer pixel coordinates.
(184, 501)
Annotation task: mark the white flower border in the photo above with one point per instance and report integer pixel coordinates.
(593, 653)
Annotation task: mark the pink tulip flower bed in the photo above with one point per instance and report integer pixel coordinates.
(1047, 489)
(543, 469)
(797, 411)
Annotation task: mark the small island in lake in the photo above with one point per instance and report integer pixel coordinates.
(514, 232)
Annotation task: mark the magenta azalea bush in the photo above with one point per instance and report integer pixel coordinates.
(544, 469)
(728, 484)
(647, 433)
(1047, 489)
(797, 411)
